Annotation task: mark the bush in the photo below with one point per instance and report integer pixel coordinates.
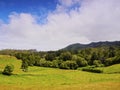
(8, 70)
(68, 65)
(48, 64)
(113, 60)
(50, 57)
(65, 56)
(116, 60)
(55, 63)
(97, 63)
(24, 65)
(109, 61)
(91, 69)
(64, 65)
(81, 62)
(72, 64)
(44, 63)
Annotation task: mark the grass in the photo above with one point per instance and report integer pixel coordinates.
(112, 69)
(6, 59)
(40, 78)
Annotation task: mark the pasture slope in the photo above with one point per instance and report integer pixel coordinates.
(41, 78)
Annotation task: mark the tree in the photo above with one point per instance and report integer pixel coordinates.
(111, 52)
(66, 56)
(109, 61)
(63, 65)
(72, 64)
(93, 57)
(97, 63)
(18, 55)
(8, 70)
(24, 65)
(31, 59)
(116, 60)
(81, 62)
(68, 65)
(55, 63)
(43, 63)
(112, 60)
(50, 57)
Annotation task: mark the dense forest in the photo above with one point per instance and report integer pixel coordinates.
(98, 54)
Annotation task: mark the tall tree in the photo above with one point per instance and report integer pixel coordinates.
(24, 65)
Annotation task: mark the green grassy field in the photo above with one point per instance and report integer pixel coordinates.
(112, 69)
(40, 78)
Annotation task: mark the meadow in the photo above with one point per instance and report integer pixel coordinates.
(41, 78)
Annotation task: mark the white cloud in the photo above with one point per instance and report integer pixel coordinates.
(94, 20)
(68, 3)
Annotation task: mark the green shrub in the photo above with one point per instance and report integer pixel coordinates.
(81, 62)
(48, 64)
(68, 65)
(116, 60)
(50, 57)
(65, 56)
(45, 63)
(91, 69)
(24, 65)
(97, 63)
(113, 60)
(55, 63)
(72, 64)
(64, 65)
(8, 70)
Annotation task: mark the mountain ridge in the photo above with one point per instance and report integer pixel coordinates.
(77, 46)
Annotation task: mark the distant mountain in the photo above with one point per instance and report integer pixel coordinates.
(78, 46)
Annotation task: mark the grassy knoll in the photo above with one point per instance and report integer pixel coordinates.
(40, 78)
(112, 69)
(6, 59)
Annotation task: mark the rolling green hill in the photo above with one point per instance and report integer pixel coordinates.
(6, 59)
(41, 78)
(112, 69)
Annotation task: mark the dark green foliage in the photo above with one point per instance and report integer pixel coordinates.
(81, 62)
(92, 69)
(111, 52)
(55, 63)
(77, 55)
(109, 61)
(24, 65)
(31, 59)
(97, 63)
(116, 60)
(79, 46)
(8, 70)
(63, 65)
(66, 56)
(93, 57)
(43, 63)
(113, 60)
(37, 60)
(18, 55)
(50, 56)
(68, 65)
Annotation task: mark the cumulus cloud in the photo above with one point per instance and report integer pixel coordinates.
(90, 20)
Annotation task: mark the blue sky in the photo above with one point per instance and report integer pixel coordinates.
(54, 24)
(36, 7)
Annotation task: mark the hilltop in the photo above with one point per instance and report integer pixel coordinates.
(78, 46)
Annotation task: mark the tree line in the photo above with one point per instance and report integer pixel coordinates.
(67, 59)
